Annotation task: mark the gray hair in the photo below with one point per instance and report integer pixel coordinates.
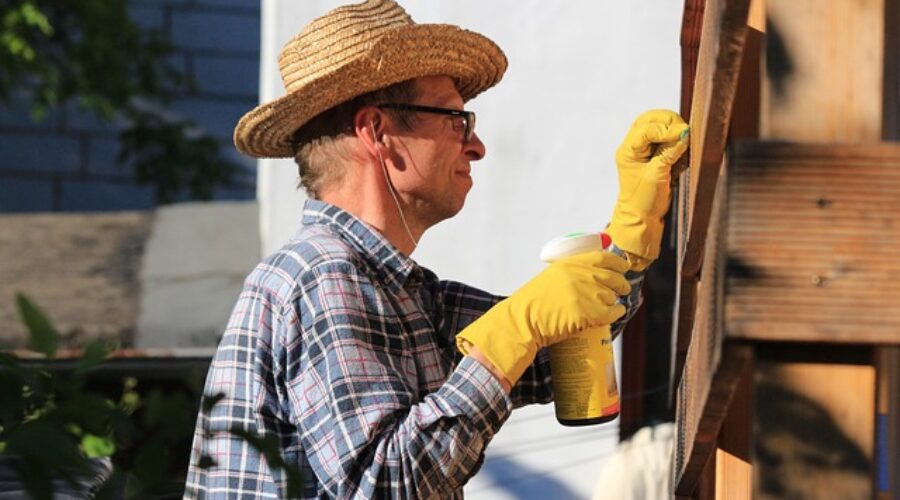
(320, 146)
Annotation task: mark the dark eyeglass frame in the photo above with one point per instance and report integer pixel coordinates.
(467, 116)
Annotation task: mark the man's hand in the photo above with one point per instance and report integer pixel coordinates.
(644, 160)
(567, 296)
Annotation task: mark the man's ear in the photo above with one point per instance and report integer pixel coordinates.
(368, 127)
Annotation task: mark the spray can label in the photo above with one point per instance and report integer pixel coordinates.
(583, 367)
(584, 377)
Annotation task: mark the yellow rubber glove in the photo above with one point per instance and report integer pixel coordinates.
(567, 296)
(644, 160)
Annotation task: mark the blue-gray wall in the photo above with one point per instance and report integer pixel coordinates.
(67, 161)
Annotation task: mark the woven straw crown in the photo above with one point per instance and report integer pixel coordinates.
(357, 49)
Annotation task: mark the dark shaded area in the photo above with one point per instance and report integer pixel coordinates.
(804, 352)
(659, 306)
(161, 428)
(779, 66)
(800, 448)
(890, 126)
(736, 268)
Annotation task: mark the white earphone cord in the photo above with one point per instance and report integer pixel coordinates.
(390, 186)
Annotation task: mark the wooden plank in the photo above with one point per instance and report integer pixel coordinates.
(700, 417)
(824, 62)
(893, 424)
(814, 428)
(683, 310)
(887, 482)
(887, 435)
(721, 53)
(711, 372)
(718, 60)
(813, 232)
(691, 31)
(734, 471)
(890, 123)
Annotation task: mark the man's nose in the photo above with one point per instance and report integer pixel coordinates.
(474, 148)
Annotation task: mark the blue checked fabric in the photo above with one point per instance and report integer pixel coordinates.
(342, 349)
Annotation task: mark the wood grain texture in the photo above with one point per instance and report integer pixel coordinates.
(720, 55)
(734, 470)
(812, 239)
(814, 428)
(712, 368)
(715, 65)
(824, 70)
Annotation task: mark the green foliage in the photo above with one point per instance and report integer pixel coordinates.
(154, 144)
(43, 337)
(92, 53)
(53, 422)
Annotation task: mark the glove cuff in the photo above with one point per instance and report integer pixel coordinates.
(510, 352)
(634, 234)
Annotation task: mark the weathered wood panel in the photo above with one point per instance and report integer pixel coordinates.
(813, 233)
(715, 82)
(734, 470)
(720, 55)
(712, 369)
(824, 61)
(813, 423)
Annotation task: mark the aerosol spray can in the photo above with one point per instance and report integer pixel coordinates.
(583, 367)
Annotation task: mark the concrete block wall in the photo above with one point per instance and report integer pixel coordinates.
(66, 162)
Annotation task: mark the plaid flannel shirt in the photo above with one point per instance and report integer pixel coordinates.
(342, 349)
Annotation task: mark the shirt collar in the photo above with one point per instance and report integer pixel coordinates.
(392, 266)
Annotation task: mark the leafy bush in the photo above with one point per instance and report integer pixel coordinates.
(55, 422)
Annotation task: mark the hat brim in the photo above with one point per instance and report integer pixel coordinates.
(474, 62)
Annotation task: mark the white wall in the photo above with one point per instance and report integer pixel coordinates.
(579, 72)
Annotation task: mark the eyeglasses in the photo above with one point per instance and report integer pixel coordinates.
(468, 117)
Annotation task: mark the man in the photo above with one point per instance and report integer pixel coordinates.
(375, 378)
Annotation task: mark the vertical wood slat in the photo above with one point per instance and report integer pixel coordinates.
(734, 471)
(682, 313)
(715, 80)
(712, 369)
(888, 435)
(720, 55)
(890, 123)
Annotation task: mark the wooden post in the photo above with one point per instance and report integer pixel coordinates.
(734, 470)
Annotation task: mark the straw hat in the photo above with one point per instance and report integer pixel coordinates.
(357, 49)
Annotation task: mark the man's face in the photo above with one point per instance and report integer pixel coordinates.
(433, 158)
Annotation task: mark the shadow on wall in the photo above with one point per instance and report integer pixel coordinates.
(524, 483)
(801, 452)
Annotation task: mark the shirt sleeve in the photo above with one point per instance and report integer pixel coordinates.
(633, 300)
(463, 304)
(365, 430)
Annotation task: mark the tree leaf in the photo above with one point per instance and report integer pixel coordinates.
(42, 336)
(94, 354)
(97, 446)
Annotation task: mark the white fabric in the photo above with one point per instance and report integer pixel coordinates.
(640, 468)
